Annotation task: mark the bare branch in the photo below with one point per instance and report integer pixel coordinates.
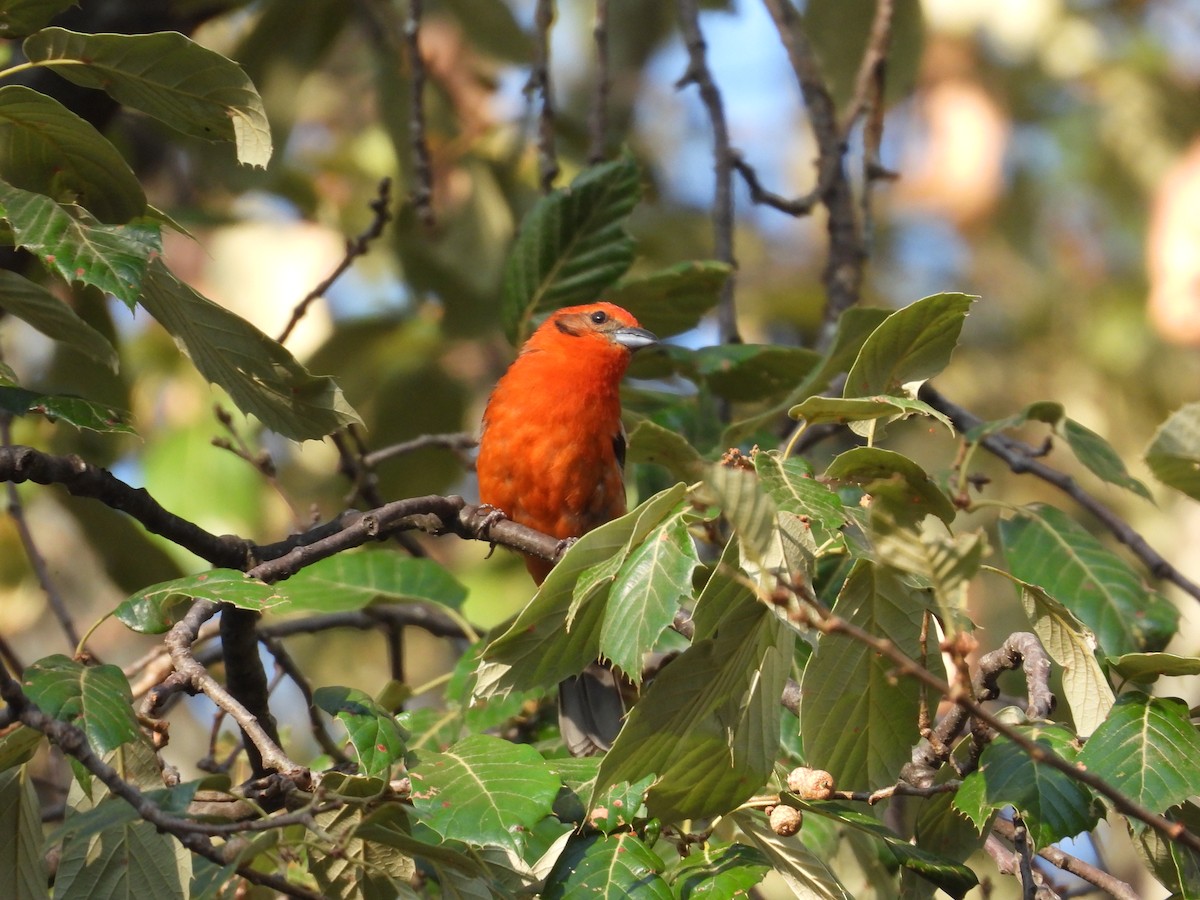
(539, 83)
(192, 835)
(598, 119)
(288, 666)
(422, 194)
(1077, 867)
(1022, 459)
(458, 441)
(380, 215)
(723, 162)
(40, 570)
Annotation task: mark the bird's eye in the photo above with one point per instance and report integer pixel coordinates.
(599, 317)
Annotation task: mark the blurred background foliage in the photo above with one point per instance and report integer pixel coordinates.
(1048, 155)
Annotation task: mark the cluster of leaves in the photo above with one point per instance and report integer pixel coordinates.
(758, 549)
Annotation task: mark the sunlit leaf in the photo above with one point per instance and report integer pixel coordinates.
(1044, 546)
(1148, 667)
(718, 869)
(912, 344)
(790, 483)
(1148, 749)
(894, 480)
(608, 867)
(192, 89)
(374, 733)
(481, 789)
(1073, 646)
(73, 410)
(46, 148)
(805, 872)
(17, 746)
(348, 581)
(260, 375)
(1101, 459)
(852, 410)
(97, 699)
(646, 594)
(1053, 804)
(112, 258)
(708, 725)
(153, 610)
(572, 245)
(1174, 454)
(945, 562)
(129, 860)
(650, 442)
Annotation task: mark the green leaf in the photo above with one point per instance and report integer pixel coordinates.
(96, 699)
(129, 860)
(747, 372)
(675, 299)
(1148, 749)
(1040, 411)
(1100, 458)
(945, 562)
(804, 871)
(853, 410)
(53, 318)
(1174, 454)
(849, 683)
(75, 411)
(718, 870)
(168, 76)
(749, 509)
(894, 482)
(260, 375)
(153, 610)
(912, 344)
(1174, 865)
(572, 245)
(376, 736)
(21, 861)
(112, 258)
(1047, 548)
(608, 867)
(651, 443)
(1053, 804)
(790, 483)
(1073, 646)
(349, 581)
(46, 148)
(558, 633)
(708, 725)
(21, 17)
(951, 877)
(18, 745)
(1148, 667)
(616, 808)
(482, 790)
(646, 594)
(114, 811)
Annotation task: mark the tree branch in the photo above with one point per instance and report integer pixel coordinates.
(598, 118)
(1022, 459)
(539, 83)
(422, 194)
(723, 162)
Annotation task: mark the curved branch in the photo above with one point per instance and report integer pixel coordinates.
(1022, 459)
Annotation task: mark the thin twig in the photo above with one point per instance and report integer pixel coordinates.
(288, 666)
(828, 623)
(381, 214)
(539, 84)
(193, 835)
(1024, 858)
(458, 441)
(843, 272)
(422, 194)
(352, 464)
(723, 162)
(1114, 886)
(1022, 459)
(598, 118)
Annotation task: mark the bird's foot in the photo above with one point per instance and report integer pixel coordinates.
(563, 546)
(491, 515)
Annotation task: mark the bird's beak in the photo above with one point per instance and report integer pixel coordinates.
(634, 338)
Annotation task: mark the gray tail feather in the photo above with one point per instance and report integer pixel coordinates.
(590, 710)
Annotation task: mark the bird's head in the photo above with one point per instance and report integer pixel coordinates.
(593, 328)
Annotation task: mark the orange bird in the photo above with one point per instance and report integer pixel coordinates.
(551, 457)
